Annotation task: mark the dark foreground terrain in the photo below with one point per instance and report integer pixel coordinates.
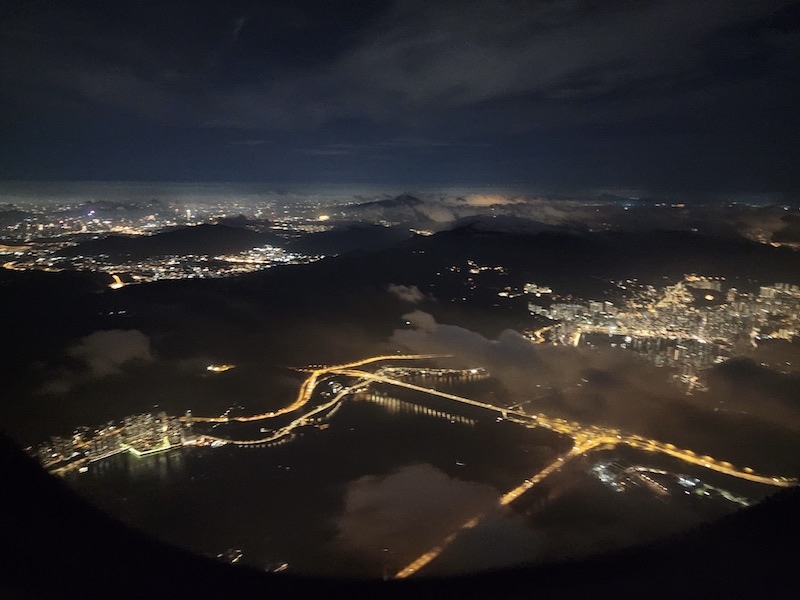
(57, 545)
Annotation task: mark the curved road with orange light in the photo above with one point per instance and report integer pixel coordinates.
(586, 437)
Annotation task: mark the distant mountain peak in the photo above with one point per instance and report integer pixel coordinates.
(403, 200)
(408, 199)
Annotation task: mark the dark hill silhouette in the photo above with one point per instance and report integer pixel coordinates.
(201, 239)
(403, 200)
(613, 254)
(402, 209)
(244, 222)
(357, 236)
(573, 262)
(790, 232)
(9, 214)
(511, 224)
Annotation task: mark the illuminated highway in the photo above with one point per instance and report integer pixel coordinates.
(606, 436)
(505, 500)
(287, 429)
(583, 444)
(307, 388)
(594, 435)
(586, 438)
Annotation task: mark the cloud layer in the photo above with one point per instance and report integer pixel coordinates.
(104, 352)
(414, 55)
(449, 89)
(408, 511)
(406, 293)
(600, 386)
(100, 354)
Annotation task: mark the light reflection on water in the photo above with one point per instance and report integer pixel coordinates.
(282, 504)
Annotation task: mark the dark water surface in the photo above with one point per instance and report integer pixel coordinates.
(373, 490)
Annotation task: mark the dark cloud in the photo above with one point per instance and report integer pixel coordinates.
(100, 354)
(501, 540)
(755, 407)
(408, 511)
(575, 516)
(509, 356)
(479, 90)
(423, 56)
(584, 518)
(608, 386)
(104, 352)
(742, 386)
(251, 143)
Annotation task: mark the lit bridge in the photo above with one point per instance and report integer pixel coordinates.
(586, 438)
(307, 388)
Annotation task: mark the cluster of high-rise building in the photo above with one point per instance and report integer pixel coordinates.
(141, 434)
(147, 431)
(688, 326)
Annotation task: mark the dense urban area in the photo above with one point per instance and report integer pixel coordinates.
(684, 325)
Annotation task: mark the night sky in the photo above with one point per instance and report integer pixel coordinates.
(658, 94)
